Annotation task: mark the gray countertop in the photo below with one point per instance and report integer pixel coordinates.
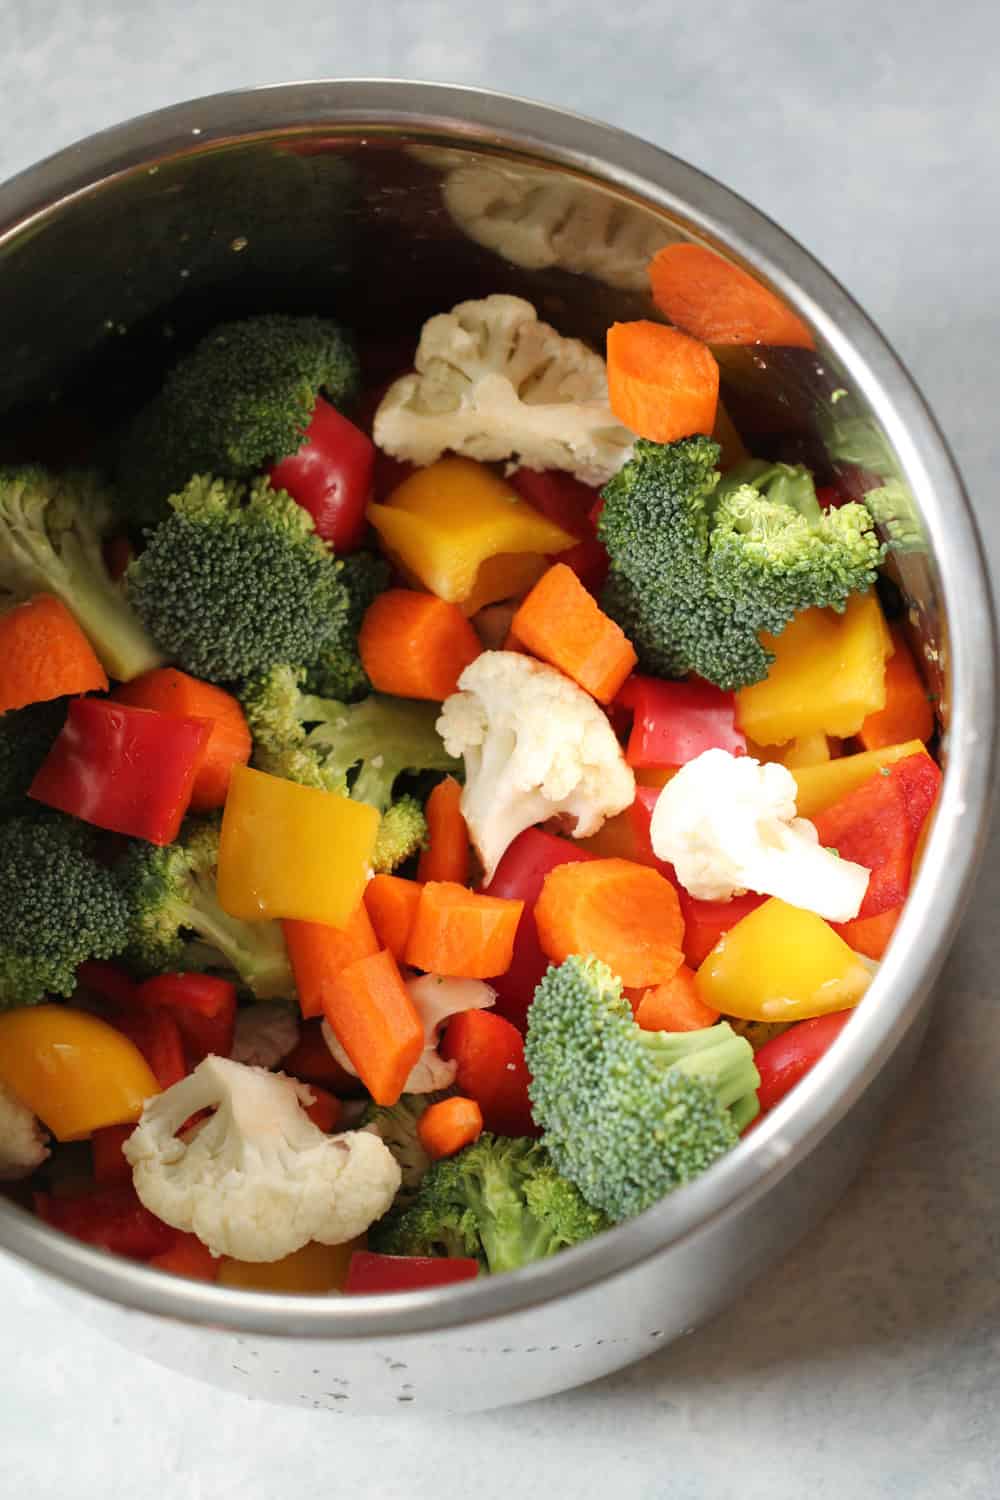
(866, 1365)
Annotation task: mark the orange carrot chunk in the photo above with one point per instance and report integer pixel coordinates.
(675, 1006)
(718, 302)
(177, 693)
(376, 1022)
(461, 934)
(318, 952)
(625, 914)
(447, 1126)
(662, 385)
(563, 624)
(447, 854)
(907, 714)
(416, 645)
(392, 904)
(44, 654)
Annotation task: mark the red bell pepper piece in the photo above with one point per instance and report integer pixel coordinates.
(203, 1006)
(489, 1052)
(568, 503)
(787, 1058)
(117, 553)
(156, 1034)
(519, 877)
(675, 721)
(369, 1272)
(107, 981)
(331, 476)
(187, 1256)
(109, 1165)
(641, 816)
(312, 1061)
(128, 770)
(706, 921)
(111, 1218)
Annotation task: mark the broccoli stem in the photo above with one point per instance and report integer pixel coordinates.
(104, 615)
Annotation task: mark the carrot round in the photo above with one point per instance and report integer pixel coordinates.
(376, 1022)
(416, 645)
(461, 934)
(317, 953)
(447, 1126)
(173, 692)
(447, 854)
(718, 302)
(662, 385)
(391, 903)
(626, 914)
(563, 624)
(907, 714)
(44, 654)
(675, 1006)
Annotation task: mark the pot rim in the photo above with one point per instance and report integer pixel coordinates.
(485, 120)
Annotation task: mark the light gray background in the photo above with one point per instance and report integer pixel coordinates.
(867, 1364)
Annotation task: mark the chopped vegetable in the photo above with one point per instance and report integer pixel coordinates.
(714, 300)
(624, 914)
(786, 1059)
(675, 1006)
(22, 1139)
(662, 384)
(330, 476)
(44, 655)
(187, 1256)
(111, 1218)
(705, 922)
(447, 854)
(560, 623)
(372, 1015)
(203, 1006)
(674, 722)
(108, 1163)
(488, 1053)
(392, 904)
(377, 1274)
(312, 1061)
(907, 714)
(319, 952)
(821, 785)
(313, 1268)
(168, 691)
(449, 1125)
(416, 646)
(155, 1032)
(461, 934)
(870, 935)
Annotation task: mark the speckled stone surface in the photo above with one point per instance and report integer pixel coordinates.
(868, 1364)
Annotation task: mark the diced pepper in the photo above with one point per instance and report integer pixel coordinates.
(828, 674)
(506, 575)
(157, 1036)
(705, 922)
(107, 981)
(292, 851)
(314, 1268)
(821, 786)
(781, 964)
(109, 1165)
(331, 476)
(111, 1218)
(489, 1052)
(807, 750)
(371, 1273)
(907, 714)
(313, 1062)
(169, 691)
(203, 1006)
(128, 770)
(787, 1058)
(72, 1070)
(870, 935)
(673, 722)
(187, 1256)
(447, 519)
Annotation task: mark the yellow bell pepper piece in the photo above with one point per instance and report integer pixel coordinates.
(445, 521)
(292, 851)
(828, 675)
(822, 786)
(72, 1070)
(781, 964)
(314, 1268)
(507, 575)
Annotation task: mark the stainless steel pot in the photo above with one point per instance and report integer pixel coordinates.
(384, 202)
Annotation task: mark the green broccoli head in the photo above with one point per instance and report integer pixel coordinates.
(337, 671)
(58, 908)
(26, 737)
(176, 922)
(236, 580)
(500, 1200)
(51, 533)
(628, 1115)
(237, 403)
(699, 569)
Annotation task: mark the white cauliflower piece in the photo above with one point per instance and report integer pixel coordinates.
(493, 382)
(22, 1139)
(727, 825)
(436, 999)
(265, 1034)
(535, 746)
(258, 1180)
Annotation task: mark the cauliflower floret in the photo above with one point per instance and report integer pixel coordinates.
(493, 382)
(436, 999)
(22, 1139)
(727, 824)
(258, 1180)
(535, 746)
(265, 1033)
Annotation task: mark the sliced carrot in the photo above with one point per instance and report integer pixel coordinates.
(313, 1062)
(187, 1256)
(44, 654)
(325, 1109)
(563, 624)
(870, 935)
(626, 914)
(392, 904)
(461, 934)
(416, 645)
(447, 1126)
(376, 1022)
(317, 952)
(170, 691)
(714, 300)
(675, 1006)
(662, 385)
(447, 854)
(907, 714)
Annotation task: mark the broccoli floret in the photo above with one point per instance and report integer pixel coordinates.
(51, 529)
(176, 921)
(237, 403)
(236, 580)
(396, 1125)
(699, 569)
(337, 672)
(401, 834)
(58, 907)
(628, 1114)
(500, 1200)
(26, 737)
